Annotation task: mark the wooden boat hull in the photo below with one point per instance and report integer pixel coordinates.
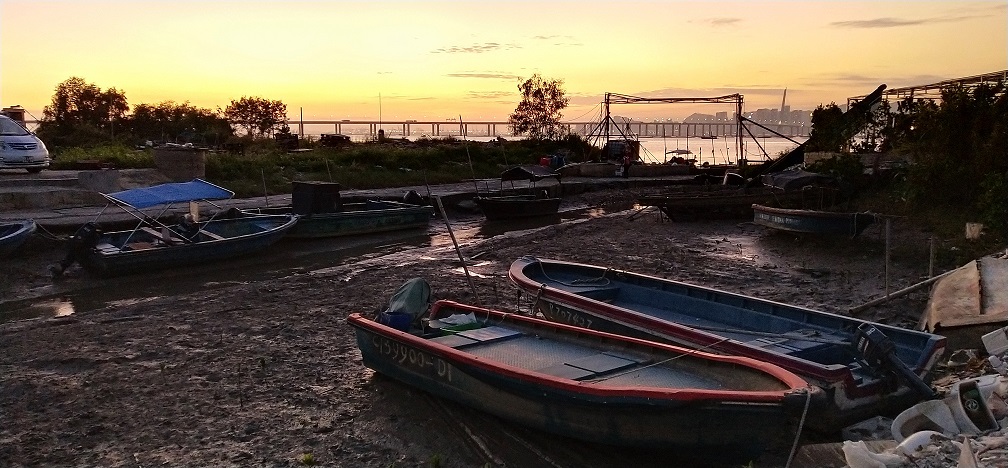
(815, 345)
(369, 217)
(531, 378)
(516, 206)
(812, 221)
(14, 234)
(123, 252)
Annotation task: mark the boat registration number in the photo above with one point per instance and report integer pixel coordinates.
(565, 315)
(408, 357)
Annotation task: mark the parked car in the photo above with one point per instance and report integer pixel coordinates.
(20, 148)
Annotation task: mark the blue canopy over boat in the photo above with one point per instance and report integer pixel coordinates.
(175, 192)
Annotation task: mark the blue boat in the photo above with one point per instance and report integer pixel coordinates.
(589, 385)
(13, 234)
(812, 221)
(846, 357)
(153, 244)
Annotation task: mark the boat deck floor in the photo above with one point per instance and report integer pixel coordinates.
(775, 334)
(577, 362)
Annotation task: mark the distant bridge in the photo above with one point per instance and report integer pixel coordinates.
(406, 128)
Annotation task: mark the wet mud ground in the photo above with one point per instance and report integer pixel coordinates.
(251, 363)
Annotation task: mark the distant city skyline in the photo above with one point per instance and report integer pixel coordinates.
(429, 60)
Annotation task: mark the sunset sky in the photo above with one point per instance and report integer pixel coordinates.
(438, 60)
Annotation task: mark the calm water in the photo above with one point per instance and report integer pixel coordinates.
(719, 151)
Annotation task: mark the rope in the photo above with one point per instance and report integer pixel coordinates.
(658, 363)
(801, 425)
(45, 233)
(572, 283)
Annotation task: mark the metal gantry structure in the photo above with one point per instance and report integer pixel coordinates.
(932, 91)
(602, 129)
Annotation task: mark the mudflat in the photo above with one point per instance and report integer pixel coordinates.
(266, 372)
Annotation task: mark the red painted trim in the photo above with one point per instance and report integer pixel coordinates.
(794, 382)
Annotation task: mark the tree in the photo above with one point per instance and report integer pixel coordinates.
(181, 123)
(827, 129)
(257, 116)
(81, 113)
(538, 114)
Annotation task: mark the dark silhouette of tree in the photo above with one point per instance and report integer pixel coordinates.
(81, 113)
(827, 129)
(257, 116)
(179, 123)
(538, 114)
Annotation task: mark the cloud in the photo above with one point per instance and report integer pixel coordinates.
(722, 22)
(486, 75)
(877, 23)
(890, 22)
(475, 48)
(492, 95)
(833, 80)
(560, 40)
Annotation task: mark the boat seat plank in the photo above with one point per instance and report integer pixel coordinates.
(489, 334)
(160, 236)
(483, 335)
(791, 343)
(106, 248)
(566, 371)
(453, 340)
(599, 293)
(211, 235)
(602, 362)
(590, 366)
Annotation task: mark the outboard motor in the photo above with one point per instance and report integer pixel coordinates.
(78, 245)
(878, 352)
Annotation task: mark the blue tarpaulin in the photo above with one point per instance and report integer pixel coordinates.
(175, 192)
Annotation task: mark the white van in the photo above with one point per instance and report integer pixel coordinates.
(21, 149)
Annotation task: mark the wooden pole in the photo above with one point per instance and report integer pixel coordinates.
(887, 248)
(931, 260)
(465, 268)
(900, 293)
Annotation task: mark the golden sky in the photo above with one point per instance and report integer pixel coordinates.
(437, 60)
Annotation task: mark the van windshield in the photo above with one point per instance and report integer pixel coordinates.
(9, 127)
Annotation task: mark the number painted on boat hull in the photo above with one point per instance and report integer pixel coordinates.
(408, 357)
(565, 315)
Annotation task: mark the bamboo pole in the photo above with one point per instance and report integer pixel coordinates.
(465, 268)
(900, 293)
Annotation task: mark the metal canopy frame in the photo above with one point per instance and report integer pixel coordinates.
(602, 129)
(933, 90)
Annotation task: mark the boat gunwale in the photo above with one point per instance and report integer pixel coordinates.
(808, 213)
(452, 355)
(830, 374)
(25, 227)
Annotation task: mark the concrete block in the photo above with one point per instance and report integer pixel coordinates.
(102, 180)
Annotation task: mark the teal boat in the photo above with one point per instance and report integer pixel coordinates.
(153, 244)
(367, 217)
(812, 221)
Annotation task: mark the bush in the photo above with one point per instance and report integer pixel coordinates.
(114, 155)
